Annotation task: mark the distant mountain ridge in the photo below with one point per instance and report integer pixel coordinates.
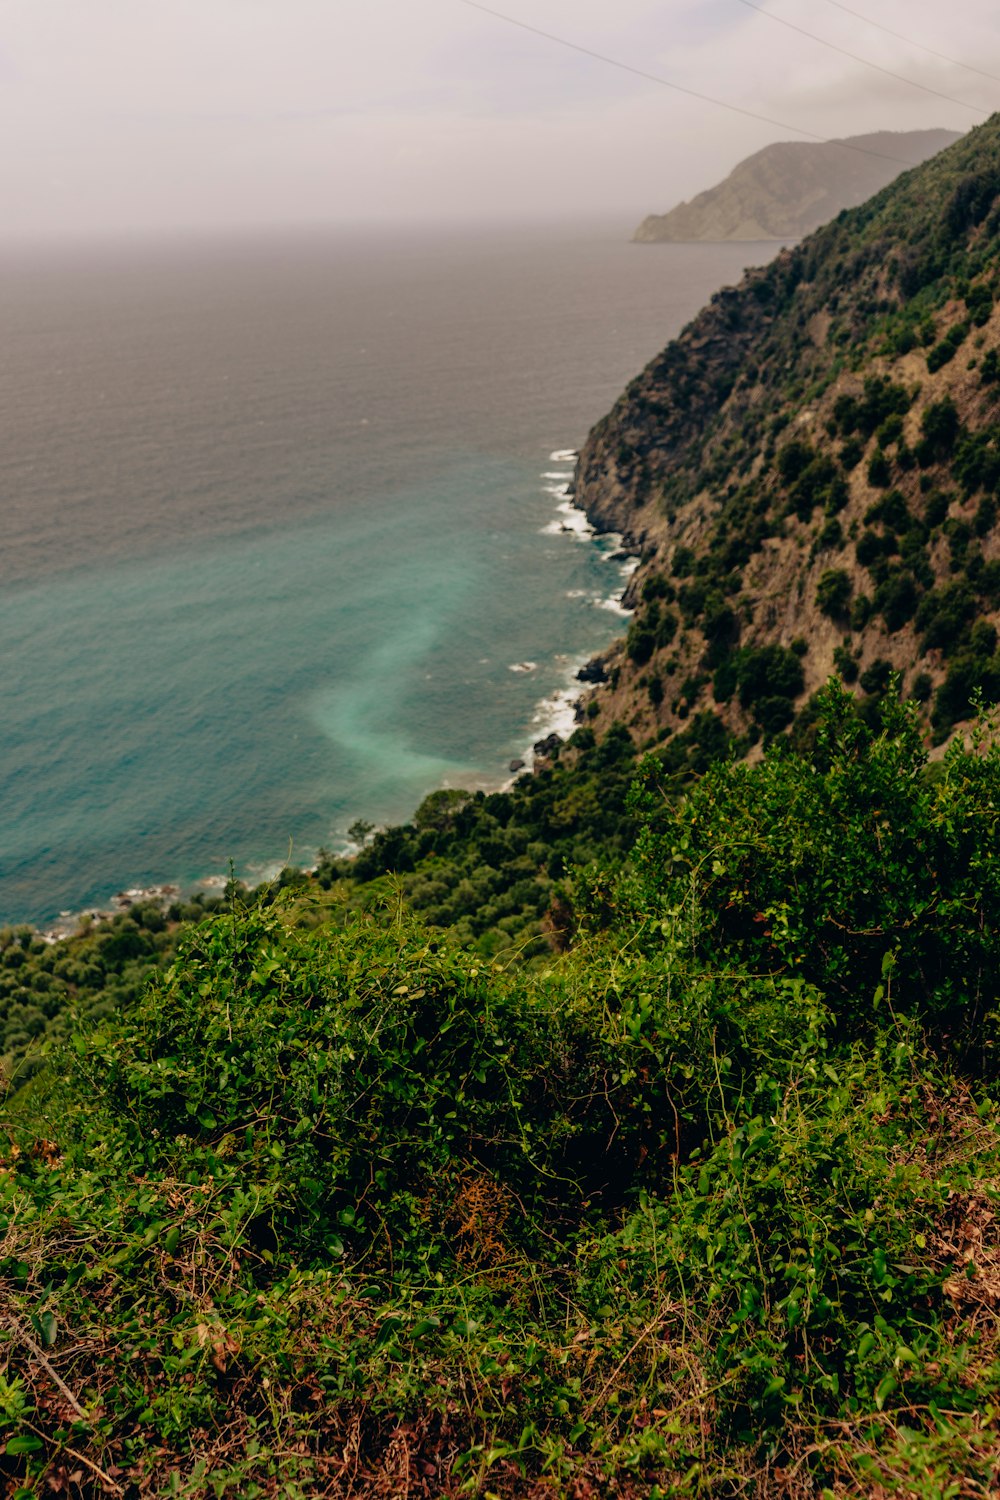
(787, 190)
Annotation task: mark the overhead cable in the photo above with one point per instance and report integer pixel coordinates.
(899, 77)
(679, 88)
(912, 42)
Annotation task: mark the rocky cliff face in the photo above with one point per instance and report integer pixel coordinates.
(789, 189)
(811, 472)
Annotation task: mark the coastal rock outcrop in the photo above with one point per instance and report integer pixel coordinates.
(546, 748)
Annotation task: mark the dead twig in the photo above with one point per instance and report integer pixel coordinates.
(39, 1354)
(81, 1458)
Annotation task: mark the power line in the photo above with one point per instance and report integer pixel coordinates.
(679, 88)
(932, 51)
(899, 77)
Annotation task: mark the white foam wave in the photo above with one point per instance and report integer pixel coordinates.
(555, 714)
(523, 666)
(569, 519)
(564, 456)
(264, 871)
(564, 474)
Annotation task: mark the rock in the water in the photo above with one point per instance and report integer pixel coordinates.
(593, 671)
(551, 745)
(517, 765)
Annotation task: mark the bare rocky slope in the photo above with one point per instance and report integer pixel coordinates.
(789, 189)
(810, 474)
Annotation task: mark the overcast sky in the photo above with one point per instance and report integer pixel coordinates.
(176, 114)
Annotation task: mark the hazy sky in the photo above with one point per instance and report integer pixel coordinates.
(142, 114)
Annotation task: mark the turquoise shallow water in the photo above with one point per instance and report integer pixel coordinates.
(257, 582)
(261, 692)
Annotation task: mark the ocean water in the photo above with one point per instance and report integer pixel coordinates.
(285, 537)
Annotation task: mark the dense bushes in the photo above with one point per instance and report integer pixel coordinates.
(812, 479)
(486, 868)
(489, 873)
(695, 1201)
(653, 629)
(946, 349)
(864, 414)
(45, 987)
(341, 1069)
(846, 869)
(833, 593)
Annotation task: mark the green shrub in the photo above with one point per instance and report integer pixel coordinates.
(880, 469)
(846, 664)
(831, 536)
(946, 349)
(872, 547)
(851, 454)
(881, 400)
(896, 599)
(979, 301)
(936, 509)
(833, 592)
(767, 672)
(843, 869)
(940, 425)
(976, 460)
(943, 615)
(891, 510)
(774, 712)
(794, 459)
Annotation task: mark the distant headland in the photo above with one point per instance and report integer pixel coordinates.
(789, 189)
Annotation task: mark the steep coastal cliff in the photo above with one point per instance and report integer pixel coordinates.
(810, 472)
(789, 189)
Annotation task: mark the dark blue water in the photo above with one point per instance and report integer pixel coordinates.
(279, 521)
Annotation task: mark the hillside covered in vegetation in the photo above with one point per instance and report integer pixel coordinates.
(811, 472)
(634, 1131)
(705, 1206)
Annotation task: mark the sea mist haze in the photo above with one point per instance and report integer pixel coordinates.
(282, 533)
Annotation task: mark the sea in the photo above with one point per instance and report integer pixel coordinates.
(286, 538)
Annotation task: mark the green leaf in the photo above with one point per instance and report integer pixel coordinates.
(25, 1442)
(388, 1330)
(884, 1390)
